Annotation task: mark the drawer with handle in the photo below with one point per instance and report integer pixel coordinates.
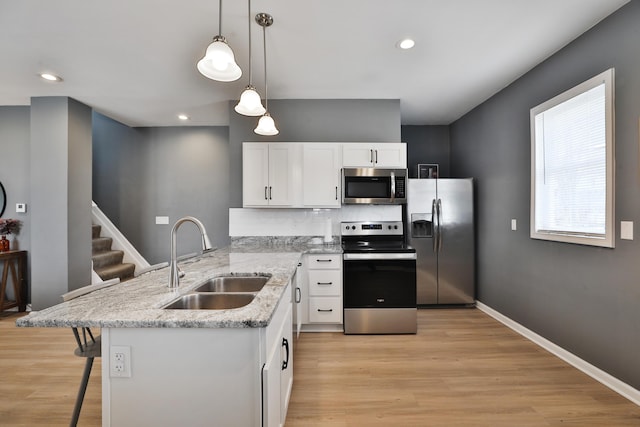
(325, 283)
(325, 309)
(325, 262)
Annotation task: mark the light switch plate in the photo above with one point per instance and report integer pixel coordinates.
(626, 230)
(162, 220)
(21, 207)
(514, 225)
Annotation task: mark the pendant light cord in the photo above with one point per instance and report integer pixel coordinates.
(219, 17)
(250, 68)
(266, 91)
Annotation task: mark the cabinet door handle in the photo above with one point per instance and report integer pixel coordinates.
(336, 192)
(325, 283)
(266, 197)
(323, 260)
(269, 193)
(325, 311)
(371, 156)
(376, 160)
(285, 344)
(298, 295)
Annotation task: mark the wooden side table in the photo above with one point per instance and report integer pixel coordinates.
(16, 263)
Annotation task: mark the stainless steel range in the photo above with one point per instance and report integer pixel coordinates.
(379, 279)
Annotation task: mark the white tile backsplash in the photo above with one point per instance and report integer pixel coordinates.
(304, 222)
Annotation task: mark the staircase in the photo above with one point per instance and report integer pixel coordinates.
(108, 263)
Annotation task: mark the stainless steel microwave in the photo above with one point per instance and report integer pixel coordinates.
(374, 186)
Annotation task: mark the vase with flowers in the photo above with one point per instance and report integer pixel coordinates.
(8, 226)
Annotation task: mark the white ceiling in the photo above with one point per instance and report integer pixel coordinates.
(134, 60)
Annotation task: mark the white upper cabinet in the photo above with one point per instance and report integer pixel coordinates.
(307, 174)
(378, 155)
(321, 163)
(268, 174)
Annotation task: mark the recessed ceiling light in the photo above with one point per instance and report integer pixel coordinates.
(406, 44)
(51, 77)
(183, 117)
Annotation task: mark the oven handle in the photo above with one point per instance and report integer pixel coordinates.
(389, 256)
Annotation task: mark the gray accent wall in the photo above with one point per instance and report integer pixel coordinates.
(15, 172)
(427, 144)
(584, 299)
(60, 158)
(142, 173)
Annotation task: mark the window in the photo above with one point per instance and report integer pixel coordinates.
(572, 165)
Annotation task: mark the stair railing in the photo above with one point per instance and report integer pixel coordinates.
(131, 255)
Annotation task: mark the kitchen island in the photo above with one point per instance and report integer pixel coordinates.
(192, 367)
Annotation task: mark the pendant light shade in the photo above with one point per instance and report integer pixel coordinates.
(219, 62)
(250, 103)
(266, 125)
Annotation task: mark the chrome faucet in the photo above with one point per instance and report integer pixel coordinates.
(174, 272)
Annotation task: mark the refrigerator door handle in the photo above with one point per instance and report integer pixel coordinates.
(434, 225)
(439, 209)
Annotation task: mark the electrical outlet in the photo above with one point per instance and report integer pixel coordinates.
(120, 362)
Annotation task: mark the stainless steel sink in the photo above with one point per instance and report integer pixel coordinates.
(211, 301)
(233, 284)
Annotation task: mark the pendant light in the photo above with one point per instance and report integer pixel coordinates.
(219, 63)
(250, 103)
(266, 125)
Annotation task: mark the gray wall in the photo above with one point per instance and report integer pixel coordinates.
(584, 299)
(427, 144)
(15, 167)
(171, 171)
(60, 159)
(14, 172)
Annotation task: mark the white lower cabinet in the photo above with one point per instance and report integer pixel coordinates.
(324, 290)
(201, 376)
(277, 374)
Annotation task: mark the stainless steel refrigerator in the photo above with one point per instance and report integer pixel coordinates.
(440, 226)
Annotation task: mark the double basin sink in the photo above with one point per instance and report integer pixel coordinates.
(221, 293)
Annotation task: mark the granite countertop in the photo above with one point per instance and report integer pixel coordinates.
(137, 303)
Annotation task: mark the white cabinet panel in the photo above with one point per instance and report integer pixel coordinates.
(255, 174)
(321, 174)
(379, 155)
(268, 174)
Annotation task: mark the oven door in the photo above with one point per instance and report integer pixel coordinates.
(379, 280)
(379, 292)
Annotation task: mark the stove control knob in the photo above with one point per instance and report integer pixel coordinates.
(395, 226)
(353, 227)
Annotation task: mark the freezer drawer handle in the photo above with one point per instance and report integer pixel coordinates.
(325, 311)
(325, 283)
(324, 260)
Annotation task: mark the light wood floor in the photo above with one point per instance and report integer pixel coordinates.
(462, 369)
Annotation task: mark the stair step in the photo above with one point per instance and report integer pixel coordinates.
(101, 244)
(106, 258)
(95, 231)
(123, 271)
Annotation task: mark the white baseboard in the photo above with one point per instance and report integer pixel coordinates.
(599, 375)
